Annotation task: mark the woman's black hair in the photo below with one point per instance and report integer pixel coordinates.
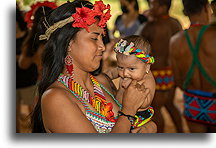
(192, 7)
(54, 54)
(32, 42)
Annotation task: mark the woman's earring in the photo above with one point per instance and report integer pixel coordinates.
(69, 66)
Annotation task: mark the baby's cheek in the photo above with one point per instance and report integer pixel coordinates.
(137, 77)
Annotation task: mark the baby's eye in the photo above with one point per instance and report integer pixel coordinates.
(131, 69)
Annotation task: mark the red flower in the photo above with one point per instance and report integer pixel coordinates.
(99, 7)
(34, 7)
(83, 17)
(104, 18)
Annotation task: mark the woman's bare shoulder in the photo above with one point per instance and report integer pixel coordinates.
(61, 109)
(57, 94)
(54, 97)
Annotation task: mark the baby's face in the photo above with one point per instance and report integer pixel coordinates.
(130, 68)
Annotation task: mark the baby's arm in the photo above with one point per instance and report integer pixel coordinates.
(149, 83)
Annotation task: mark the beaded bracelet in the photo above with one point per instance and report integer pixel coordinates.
(143, 117)
(130, 118)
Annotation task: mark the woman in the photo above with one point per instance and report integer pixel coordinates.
(130, 20)
(74, 49)
(33, 48)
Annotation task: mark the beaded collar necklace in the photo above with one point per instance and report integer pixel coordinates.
(98, 101)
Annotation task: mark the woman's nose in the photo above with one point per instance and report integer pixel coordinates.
(101, 46)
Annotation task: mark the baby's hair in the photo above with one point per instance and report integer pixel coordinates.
(139, 43)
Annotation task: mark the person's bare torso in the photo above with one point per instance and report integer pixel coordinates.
(206, 55)
(158, 33)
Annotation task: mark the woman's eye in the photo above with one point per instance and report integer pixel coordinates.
(94, 39)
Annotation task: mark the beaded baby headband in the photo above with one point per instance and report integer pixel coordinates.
(83, 18)
(29, 15)
(121, 47)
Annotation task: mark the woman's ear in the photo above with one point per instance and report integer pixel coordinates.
(70, 45)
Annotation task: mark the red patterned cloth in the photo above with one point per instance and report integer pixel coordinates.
(200, 106)
(164, 78)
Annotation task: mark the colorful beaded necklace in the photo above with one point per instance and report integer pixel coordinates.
(98, 101)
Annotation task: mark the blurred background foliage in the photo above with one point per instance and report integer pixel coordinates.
(176, 9)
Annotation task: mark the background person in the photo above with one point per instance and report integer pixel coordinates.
(196, 75)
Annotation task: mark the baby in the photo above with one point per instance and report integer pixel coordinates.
(133, 63)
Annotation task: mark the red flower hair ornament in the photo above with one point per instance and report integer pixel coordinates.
(83, 18)
(29, 15)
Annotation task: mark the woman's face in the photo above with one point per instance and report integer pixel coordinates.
(87, 48)
(126, 6)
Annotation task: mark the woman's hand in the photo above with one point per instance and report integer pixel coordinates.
(149, 127)
(134, 97)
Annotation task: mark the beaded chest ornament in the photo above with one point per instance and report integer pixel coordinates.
(98, 101)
